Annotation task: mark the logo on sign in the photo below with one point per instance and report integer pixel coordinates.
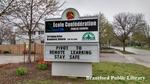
(70, 15)
(88, 36)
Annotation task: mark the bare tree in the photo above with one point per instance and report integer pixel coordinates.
(124, 24)
(6, 32)
(105, 33)
(7, 7)
(102, 25)
(146, 31)
(31, 13)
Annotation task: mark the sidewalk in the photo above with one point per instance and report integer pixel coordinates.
(134, 50)
(5, 59)
(141, 57)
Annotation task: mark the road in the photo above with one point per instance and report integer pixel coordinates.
(140, 57)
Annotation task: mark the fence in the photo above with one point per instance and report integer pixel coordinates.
(19, 49)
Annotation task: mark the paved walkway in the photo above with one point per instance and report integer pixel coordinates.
(112, 57)
(140, 57)
(5, 59)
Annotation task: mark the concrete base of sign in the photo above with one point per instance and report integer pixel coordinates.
(71, 69)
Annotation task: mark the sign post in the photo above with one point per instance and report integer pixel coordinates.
(72, 44)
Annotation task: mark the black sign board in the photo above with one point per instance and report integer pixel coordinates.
(71, 25)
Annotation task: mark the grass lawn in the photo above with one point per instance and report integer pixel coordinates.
(34, 76)
(107, 50)
(104, 69)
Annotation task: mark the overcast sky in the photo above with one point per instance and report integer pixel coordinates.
(109, 7)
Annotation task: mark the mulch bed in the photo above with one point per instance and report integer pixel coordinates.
(8, 73)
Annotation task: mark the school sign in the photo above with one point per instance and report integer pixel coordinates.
(71, 41)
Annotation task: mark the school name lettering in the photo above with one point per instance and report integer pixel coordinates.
(64, 52)
(74, 24)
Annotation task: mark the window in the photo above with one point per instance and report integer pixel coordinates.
(42, 41)
(33, 32)
(40, 32)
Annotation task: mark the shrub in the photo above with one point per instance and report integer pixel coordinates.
(6, 52)
(21, 71)
(42, 66)
(33, 52)
(24, 52)
(27, 52)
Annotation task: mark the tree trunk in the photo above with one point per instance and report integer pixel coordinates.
(124, 45)
(34, 50)
(148, 42)
(30, 31)
(24, 51)
(1, 41)
(109, 41)
(29, 54)
(100, 46)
